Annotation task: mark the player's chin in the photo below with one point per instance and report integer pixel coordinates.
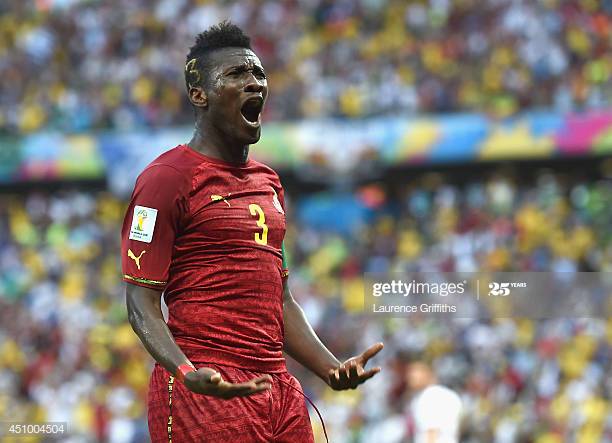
(251, 131)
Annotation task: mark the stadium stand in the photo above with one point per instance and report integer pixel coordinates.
(80, 65)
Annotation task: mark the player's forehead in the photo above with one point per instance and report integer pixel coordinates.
(232, 57)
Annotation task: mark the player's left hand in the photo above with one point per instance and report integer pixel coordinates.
(352, 372)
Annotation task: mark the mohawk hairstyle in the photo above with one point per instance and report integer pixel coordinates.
(223, 35)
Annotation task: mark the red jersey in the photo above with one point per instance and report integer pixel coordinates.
(209, 234)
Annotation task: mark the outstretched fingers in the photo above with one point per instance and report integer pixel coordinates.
(352, 373)
(355, 370)
(371, 352)
(338, 376)
(243, 389)
(368, 374)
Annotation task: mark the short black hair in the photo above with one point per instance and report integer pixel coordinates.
(224, 35)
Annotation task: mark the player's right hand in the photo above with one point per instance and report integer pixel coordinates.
(207, 381)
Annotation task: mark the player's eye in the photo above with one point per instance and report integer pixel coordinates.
(235, 72)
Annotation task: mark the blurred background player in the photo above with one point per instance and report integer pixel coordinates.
(435, 410)
(428, 135)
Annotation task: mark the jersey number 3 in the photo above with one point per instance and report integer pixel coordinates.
(261, 238)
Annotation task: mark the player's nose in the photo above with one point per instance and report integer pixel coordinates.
(253, 84)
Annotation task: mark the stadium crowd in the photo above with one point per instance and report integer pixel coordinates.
(79, 65)
(67, 352)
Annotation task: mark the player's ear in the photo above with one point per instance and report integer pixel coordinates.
(198, 97)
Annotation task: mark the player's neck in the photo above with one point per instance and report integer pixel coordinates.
(211, 144)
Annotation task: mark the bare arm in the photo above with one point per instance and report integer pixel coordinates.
(146, 318)
(301, 343)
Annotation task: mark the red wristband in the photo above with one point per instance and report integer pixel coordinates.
(182, 371)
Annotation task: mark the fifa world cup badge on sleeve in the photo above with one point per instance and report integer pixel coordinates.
(143, 224)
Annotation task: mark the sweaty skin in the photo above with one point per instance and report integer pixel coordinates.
(223, 132)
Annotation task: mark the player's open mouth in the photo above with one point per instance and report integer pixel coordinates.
(251, 110)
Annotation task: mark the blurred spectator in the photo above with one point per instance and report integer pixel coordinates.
(435, 410)
(80, 65)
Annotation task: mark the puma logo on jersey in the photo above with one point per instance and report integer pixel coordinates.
(216, 197)
(136, 259)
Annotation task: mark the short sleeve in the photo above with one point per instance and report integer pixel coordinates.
(153, 218)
